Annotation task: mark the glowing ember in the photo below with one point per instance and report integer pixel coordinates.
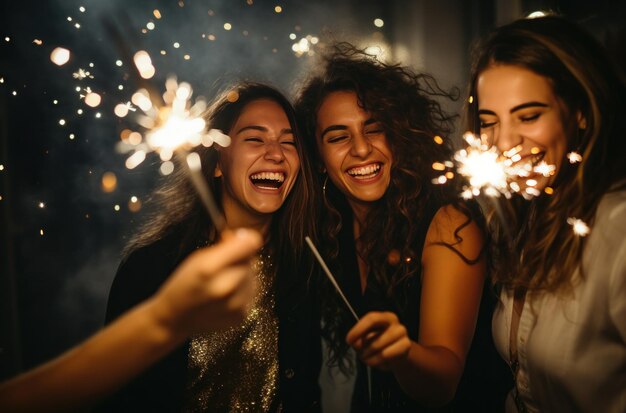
(60, 56)
(144, 64)
(579, 226)
(574, 157)
(109, 182)
(122, 109)
(135, 159)
(81, 74)
(544, 169)
(93, 99)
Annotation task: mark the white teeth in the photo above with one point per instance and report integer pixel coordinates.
(364, 170)
(271, 176)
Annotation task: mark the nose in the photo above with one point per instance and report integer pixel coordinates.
(274, 152)
(505, 136)
(361, 146)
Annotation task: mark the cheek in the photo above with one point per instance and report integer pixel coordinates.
(294, 161)
(331, 158)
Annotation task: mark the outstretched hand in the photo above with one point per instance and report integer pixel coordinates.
(380, 340)
(212, 289)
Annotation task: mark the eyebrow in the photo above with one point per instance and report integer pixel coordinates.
(344, 127)
(264, 129)
(515, 108)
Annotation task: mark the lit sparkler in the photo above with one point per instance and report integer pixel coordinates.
(491, 172)
(174, 127)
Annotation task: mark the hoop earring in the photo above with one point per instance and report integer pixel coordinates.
(324, 185)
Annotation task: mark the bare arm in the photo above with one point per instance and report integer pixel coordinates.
(429, 370)
(210, 290)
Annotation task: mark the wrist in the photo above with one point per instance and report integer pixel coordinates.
(161, 324)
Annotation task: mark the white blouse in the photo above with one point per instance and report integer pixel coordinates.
(572, 349)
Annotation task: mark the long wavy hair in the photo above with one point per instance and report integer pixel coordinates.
(177, 208)
(416, 128)
(543, 252)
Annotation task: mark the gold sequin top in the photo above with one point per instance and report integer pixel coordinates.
(236, 370)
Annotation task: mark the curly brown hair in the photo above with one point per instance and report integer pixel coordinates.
(535, 248)
(405, 104)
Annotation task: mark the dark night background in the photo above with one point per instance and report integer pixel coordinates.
(53, 287)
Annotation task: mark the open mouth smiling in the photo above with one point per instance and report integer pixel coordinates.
(365, 172)
(268, 180)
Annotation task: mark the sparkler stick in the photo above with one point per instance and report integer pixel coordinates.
(345, 300)
(192, 160)
(330, 276)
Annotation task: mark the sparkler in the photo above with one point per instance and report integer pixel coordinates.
(330, 276)
(172, 127)
(491, 172)
(343, 297)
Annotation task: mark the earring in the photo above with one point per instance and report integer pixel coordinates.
(324, 185)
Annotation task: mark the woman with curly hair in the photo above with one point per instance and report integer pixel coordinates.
(408, 256)
(263, 181)
(548, 88)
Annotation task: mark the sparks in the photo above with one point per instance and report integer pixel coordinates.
(60, 56)
(574, 157)
(81, 74)
(491, 172)
(178, 124)
(579, 226)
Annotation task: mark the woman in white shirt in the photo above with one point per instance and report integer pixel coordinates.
(547, 88)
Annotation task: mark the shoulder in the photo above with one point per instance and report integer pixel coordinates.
(455, 227)
(606, 245)
(611, 214)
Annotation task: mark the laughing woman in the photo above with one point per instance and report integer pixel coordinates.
(261, 181)
(408, 257)
(547, 87)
